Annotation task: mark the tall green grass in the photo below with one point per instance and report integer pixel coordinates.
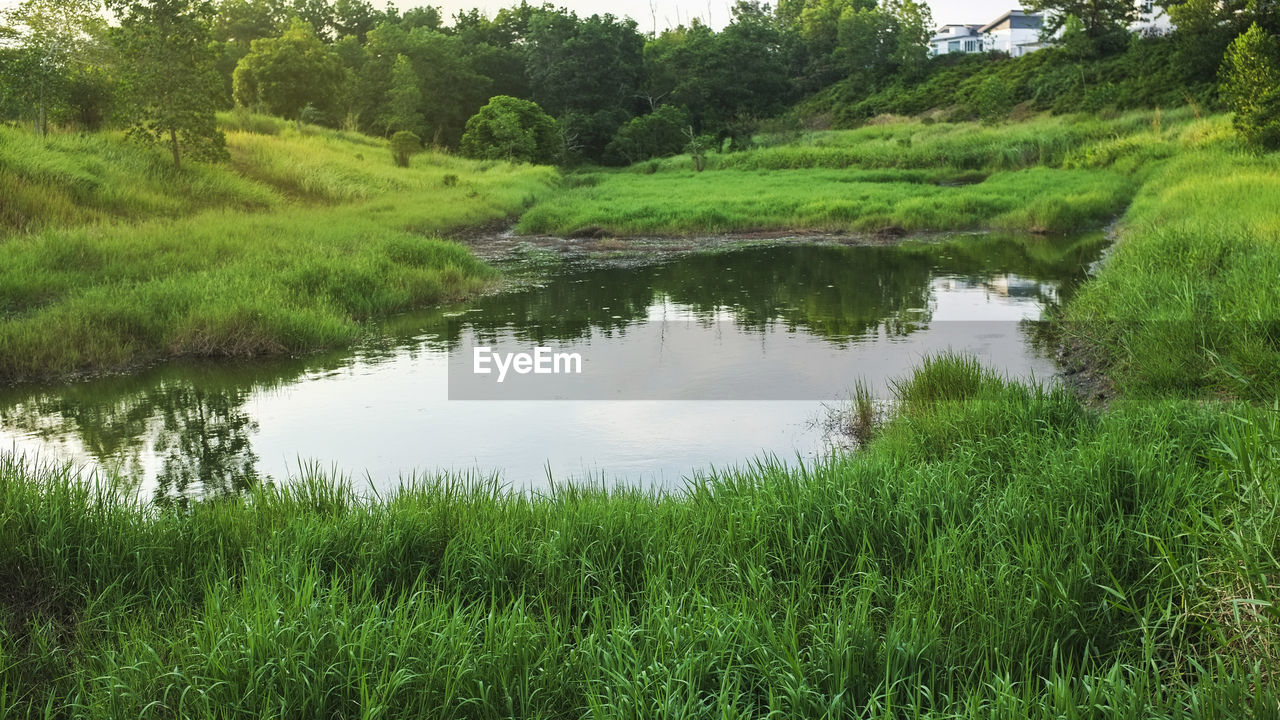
(997, 551)
(1187, 302)
(67, 180)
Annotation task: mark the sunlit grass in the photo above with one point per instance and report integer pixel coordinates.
(114, 258)
(691, 203)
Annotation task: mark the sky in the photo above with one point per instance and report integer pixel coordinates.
(668, 13)
(673, 12)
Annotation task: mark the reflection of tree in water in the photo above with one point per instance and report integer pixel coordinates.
(196, 422)
(204, 439)
(838, 293)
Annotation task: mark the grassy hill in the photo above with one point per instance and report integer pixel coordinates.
(109, 256)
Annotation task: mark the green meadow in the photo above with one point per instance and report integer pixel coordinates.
(1046, 175)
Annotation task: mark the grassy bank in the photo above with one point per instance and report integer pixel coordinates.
(998, 551)
(1188, 302)
(112, 257)
(1050, 174)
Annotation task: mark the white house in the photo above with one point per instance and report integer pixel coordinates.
(956, 39)
(1016, 32)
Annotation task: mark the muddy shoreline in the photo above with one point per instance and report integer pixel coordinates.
(504, 247)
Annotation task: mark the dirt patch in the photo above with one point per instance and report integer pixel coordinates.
(1083, 369)
(27, 596)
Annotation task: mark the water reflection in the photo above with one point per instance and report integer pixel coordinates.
(188, 430)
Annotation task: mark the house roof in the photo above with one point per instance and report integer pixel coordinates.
(1017, 18)
(971, 31)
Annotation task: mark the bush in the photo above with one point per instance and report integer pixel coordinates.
(405, 145)
(657, 134)
(992, 100)
(511, 129)
(1250, 80)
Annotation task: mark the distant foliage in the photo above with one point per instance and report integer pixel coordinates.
(404, 99)
(48, 70)
(1251, 86)
(404, 145)
(511, 129)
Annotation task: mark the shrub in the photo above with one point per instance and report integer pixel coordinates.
(1251, 86)
(511, 129)
(405, 145)
(992, 100)
(657, 134)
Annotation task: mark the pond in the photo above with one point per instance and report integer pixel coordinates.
(690, 362)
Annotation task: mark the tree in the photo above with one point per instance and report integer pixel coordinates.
(1105, 21)
(658, 134)
(1251, 86)
(288, 73)
(511, 129)
(404, 98)
(588, 69)
(53, 38)
(174, 90)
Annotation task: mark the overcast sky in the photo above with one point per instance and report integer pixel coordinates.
(673, 12)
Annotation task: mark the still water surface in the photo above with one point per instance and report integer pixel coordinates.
(795, 323)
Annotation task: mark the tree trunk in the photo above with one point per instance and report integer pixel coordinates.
(173, 142)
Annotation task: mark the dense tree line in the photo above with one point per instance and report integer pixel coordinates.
(609, 92)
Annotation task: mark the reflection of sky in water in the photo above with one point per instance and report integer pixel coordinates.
(389, 414)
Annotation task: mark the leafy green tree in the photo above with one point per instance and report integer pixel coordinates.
(243, 21)
(53, 39)
(1251, 86)
(1106, 22)
(744, 71)
(288, 73)
(511, 129)
(173, 87)
(319, 14)
(451, 91)
(354, 18)
(585, 68)
(404, 98)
